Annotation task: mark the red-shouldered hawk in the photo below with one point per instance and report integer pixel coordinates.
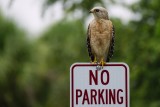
(100, 39)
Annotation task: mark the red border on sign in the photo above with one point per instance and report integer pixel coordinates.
(78, 64)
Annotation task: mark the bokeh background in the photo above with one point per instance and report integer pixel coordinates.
(40, 40)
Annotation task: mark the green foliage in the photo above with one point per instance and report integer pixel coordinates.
(60, 44)
(70, 6)
(14, 53)
(145, 81)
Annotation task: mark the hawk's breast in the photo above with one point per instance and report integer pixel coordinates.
(100, 36)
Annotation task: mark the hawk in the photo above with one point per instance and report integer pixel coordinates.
(100, 37)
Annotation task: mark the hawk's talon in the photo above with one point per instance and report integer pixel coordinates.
(95, 61)
(102, 63)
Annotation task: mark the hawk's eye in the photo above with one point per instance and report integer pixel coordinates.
(97, 10)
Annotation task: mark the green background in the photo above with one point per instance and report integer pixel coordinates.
(35, 73)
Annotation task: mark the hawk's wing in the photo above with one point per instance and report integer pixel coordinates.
(111, 48)
(88, 44)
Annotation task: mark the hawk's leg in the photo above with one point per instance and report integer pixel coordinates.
(102, 62)
(95, 60)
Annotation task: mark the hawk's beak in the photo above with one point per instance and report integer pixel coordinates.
(91, 11)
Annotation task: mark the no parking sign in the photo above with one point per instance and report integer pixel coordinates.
(108, 87)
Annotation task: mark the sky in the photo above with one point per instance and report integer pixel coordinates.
(28, 13)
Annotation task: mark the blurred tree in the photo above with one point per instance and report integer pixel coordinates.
(72, 6)
(37, 74)
(145, 54)
(65, 42)
(24, 81)
(14, 52)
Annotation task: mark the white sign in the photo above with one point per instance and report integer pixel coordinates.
(108, 87)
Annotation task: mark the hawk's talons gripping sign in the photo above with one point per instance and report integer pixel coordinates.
(107, 87)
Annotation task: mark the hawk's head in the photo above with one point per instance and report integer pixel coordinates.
(99, 13)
